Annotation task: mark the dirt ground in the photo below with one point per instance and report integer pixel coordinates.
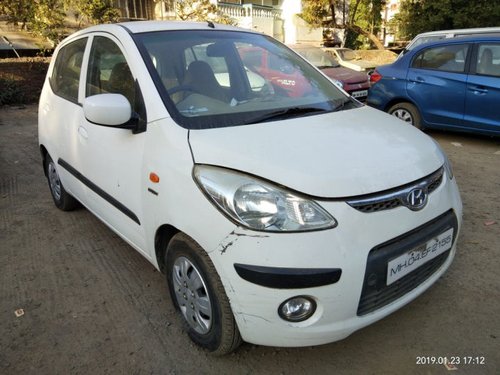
(93, 305)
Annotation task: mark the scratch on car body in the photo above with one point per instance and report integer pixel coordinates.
(232, 237)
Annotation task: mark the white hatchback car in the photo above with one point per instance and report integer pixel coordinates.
(278, 219)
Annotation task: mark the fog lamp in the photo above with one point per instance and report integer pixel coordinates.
(297, 309)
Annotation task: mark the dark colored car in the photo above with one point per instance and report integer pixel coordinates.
(451, 84)
(355, 83)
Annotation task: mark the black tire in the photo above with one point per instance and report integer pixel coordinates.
(61, 198)
(407, 112)
(214, 328)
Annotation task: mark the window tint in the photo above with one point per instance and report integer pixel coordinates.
(108, 71)
(488, 60)
(66, 74)
(446, 58)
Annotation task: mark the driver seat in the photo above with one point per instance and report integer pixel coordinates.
(201, 78)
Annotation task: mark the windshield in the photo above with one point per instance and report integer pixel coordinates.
(213, 78)
(318, 57)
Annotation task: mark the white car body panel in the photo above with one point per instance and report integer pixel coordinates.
(327, 161)
(344, 247)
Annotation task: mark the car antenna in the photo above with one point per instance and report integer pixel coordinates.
(211, 24)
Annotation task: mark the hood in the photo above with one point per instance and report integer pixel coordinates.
(345, 75)
(341, 154)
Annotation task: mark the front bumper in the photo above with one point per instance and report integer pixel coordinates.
(346, 248)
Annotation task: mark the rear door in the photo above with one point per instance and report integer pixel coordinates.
(482, 102)
(436, 81)
(60, 109)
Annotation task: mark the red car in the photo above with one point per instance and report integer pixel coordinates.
(355, 83)
(285, 76)
(276, 70)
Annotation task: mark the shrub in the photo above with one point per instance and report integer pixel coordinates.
(10, 92)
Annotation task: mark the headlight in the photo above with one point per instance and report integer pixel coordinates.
(447, 164)
(260, 205)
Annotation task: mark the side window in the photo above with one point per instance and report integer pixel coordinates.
(445, 58)
(65, 77)
(108, 71)
(488, 60)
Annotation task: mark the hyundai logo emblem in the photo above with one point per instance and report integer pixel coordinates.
(416, 199)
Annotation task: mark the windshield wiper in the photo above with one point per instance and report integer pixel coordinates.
(285, 113)
(340, 105)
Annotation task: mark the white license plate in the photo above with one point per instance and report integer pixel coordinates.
(411, 260)
(359, 94)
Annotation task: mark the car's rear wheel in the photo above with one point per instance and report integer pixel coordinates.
(408, 113)
(197, 292)
(62, 199)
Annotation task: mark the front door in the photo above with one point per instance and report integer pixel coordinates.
(112, 158)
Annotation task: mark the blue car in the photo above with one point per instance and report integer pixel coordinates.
(451, 84)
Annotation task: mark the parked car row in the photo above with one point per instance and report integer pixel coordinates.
(354, 82)
(444, 79)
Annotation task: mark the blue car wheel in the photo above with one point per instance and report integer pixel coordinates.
(407, 112)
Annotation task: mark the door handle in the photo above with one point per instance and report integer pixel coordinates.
(46, 108)
(478, 90)
(83, 132)
(417, 80)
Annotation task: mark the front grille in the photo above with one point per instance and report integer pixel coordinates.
(379, 206)
(376, 293)
(396, 197)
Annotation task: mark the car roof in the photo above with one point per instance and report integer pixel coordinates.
(148, 26)
(467, 39)
(137, 27)
(476, 30)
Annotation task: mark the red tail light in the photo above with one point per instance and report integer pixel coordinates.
(375, 76)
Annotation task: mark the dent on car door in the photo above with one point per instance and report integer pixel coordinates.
(483, 89)
(112, 157)
(436, 81)
(61, 109)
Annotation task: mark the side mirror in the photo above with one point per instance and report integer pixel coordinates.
(107, 110)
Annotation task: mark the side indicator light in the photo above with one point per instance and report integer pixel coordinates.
(154, 178)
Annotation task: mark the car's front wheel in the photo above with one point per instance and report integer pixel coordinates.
(197, 292)
(62, 199)
(408, 113)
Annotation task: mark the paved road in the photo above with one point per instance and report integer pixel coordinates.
(94, 305)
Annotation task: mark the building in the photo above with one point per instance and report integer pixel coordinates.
(389, 31)
(278, 18)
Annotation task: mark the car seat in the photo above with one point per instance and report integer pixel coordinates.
(201, 78)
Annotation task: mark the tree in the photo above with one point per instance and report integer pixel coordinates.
(95, 11)
(46, 17)
(41, 17)
(361, 17)
(201, 10)
(417, 16)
